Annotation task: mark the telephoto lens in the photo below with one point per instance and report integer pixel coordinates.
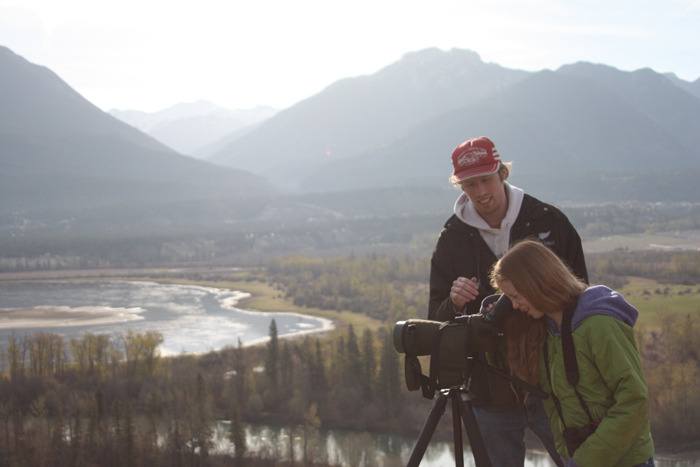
(415, 336)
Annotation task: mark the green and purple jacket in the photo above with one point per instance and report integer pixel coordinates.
(611, 383)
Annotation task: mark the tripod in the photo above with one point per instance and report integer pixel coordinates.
(461, 410)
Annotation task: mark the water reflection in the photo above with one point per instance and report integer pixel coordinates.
(346, 448)
(363, 449)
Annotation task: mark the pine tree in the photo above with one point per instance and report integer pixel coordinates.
(389, 385)
(272, 364)
(368, 365)
(319, 380)
(286, 372)
(353, 361)
(202, 419)
(240, 375)
(237, 432)
(337, 369)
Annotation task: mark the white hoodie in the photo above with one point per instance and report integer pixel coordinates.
(498, 239)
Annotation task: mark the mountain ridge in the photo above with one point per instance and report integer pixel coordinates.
(646, 118)
(538, 123)
(353, 114)
(60, 152)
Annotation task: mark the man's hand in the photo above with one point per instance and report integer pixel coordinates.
(463, 291)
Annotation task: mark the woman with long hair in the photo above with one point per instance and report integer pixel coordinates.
(578, 343)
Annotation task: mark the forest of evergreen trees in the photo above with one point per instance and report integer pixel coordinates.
(96, 401)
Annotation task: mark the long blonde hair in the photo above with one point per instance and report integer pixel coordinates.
(548, 285)
(539, 276)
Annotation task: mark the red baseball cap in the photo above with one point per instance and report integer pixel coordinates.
(475, 157)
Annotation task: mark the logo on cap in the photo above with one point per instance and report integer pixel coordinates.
(472, 156)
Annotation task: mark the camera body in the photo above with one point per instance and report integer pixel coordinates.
(451, 344)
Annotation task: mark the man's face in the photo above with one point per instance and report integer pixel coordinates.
(487, 193)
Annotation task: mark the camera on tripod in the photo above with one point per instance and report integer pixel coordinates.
(454, 347)
(450, 344)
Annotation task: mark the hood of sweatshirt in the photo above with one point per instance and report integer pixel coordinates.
(600, 300)
(466, 212)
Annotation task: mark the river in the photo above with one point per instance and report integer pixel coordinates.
(192, 319)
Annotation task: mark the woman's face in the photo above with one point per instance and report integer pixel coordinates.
(520, 303)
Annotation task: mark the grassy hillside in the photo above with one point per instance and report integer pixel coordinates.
(658, 301)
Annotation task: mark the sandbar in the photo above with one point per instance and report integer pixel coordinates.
(65, 316)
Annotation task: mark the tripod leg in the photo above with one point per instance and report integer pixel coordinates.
(427, 432)
(457, 428)
(481, 457)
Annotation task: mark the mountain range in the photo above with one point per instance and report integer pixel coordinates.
(63, 157)
(584, 132)
(354, 115)
(192, 128)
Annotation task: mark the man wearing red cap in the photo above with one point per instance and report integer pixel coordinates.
(490, 215)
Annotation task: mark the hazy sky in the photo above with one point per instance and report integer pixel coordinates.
(150, 54)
